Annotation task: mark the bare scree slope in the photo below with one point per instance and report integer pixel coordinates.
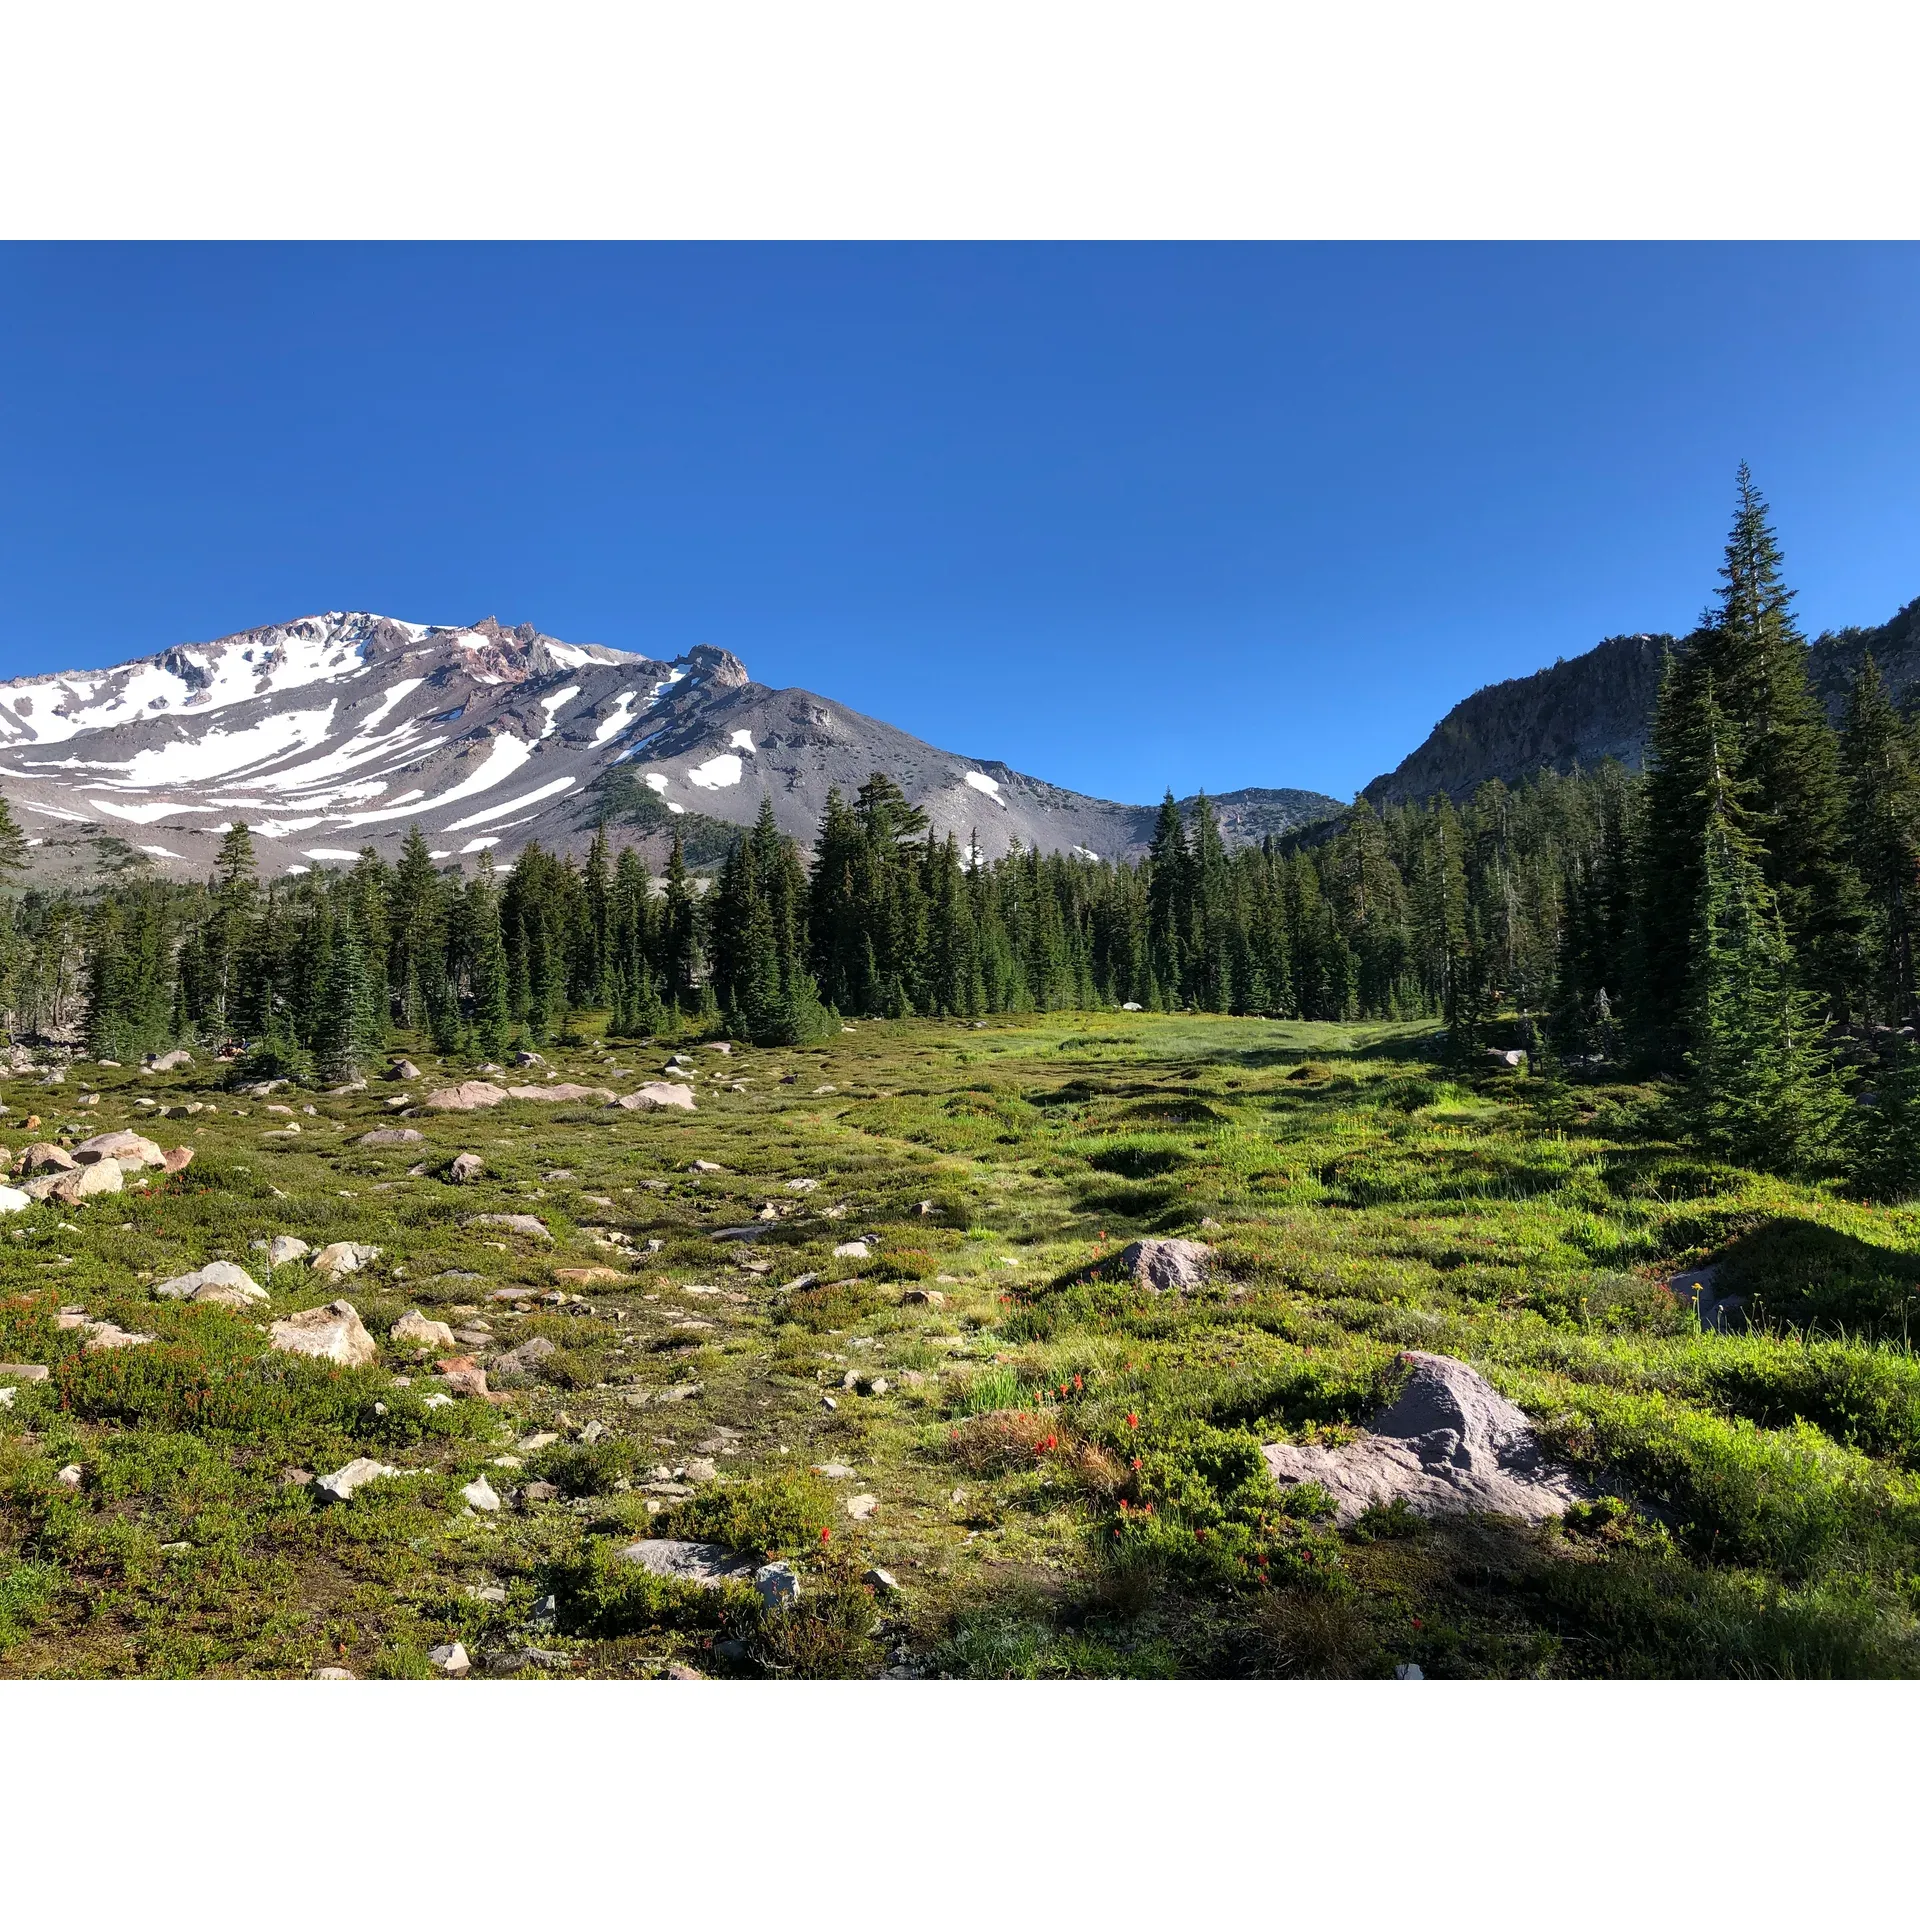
(345, 730)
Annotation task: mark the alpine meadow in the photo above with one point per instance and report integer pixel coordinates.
(790, 1201)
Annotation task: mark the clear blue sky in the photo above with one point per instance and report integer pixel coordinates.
(1124, 516)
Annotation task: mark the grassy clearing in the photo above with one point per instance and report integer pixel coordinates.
(1061, 1473)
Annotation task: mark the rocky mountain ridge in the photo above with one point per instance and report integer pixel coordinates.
(1599, 705)
(345, 730)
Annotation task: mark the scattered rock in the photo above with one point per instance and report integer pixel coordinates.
(468, 1097)
(1449, 1444)
(480, 1496)
(404, 1070)
(219, 1283)
(166, 1062)
(332, 1332)
(777, 1584)
(564, 1090)
(1719, 1312)
(852, 1250)
(835, 1470)
(521, 1223)
(464, 1376)
(177, 1159)
(523, 1360)
(802, 1186)
(416, 1329)
(392, 1137)
(344, 1482)
(1409, 1670)
(676, 1670)
(658, 1093)
(693, 1560)
(922, 1297)
(71, 1474)
(43, 1156)
(123, 1146)
(860, 1506)
(14, 1199)
(23, 1370)
(330, 1673)
(1126, 1006)
(1168, 1266)
(881, 1581)
(535, 1491)
(103, 1335)
(467, 1168)
(284, 1247)
(102, 1176)
(344, 1256)
(587, 1276)
(451, 1660)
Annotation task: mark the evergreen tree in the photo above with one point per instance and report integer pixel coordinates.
(1883, 834)
(1762, 1090)
(491, 1016)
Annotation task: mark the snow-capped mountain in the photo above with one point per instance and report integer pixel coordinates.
(345, 730)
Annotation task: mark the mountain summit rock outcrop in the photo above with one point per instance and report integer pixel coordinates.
(346, 730)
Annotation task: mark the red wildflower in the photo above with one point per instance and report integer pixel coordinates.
(1133, 1419)
(826, 1533)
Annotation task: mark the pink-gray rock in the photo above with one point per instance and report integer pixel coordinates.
(564, 1090)
(177, 1159)
(332, 1332)
(1449, 1444)
(1168, 1266)
(166, 1062)
(44, 1157)
(414, 1329)
(467, 1168)
(658, 1093)
(405, 1070)
(23, 1370)
(344, 1256)
(124, 1145)
(468, 1097)
(102, 1176)
(392, 1137)
(284, 1247)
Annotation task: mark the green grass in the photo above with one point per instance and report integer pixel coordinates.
(1064, 1471)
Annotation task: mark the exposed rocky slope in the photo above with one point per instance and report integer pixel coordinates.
(1599, 705)
(345, 730)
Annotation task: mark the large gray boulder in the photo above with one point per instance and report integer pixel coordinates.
(1168, 1266)
(1450, 1444)
(691, 1560)
(524, 1224)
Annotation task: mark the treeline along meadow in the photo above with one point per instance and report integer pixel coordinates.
(1739, 918)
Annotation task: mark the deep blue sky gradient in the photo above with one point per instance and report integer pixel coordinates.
(1122, 516)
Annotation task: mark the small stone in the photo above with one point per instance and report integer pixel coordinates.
(1408, 1670)
(480, 1496)
(881, 1581)
(835, 1470)
(218, 1283)
(860, 1506)
(1168, 1266)
(777, 1584)
(523, 1224)
(70, 1475)
(414, 1327)
(392, 1137)
(802, 1186)
(331, 1673)
(284, 1247)
(344, 1256)
(451, 1660)
(23, 1370)
(658, 1093)
(405, 1070)
(536, 1491)
(344, 1482)
(678, 1671)
(922, 1297)
(852, 1250)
